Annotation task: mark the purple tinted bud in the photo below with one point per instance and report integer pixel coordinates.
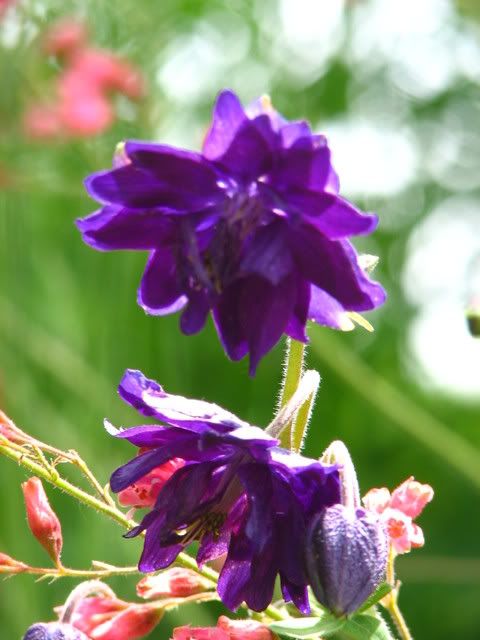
(53, 631)
(346, 557)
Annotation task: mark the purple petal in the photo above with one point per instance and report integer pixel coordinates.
(195, 315)
(332, 266)
(236, 573)
(148, 397)
(178, 168)
(296, 327)
(114, 227)
(139, 466)
(159, 293)
(331, 215)
(155, 556)
(268, 254)
(298, 594)
(228, 117)
(291, 132)
(133, 187)
(325, 310)
(227, 320)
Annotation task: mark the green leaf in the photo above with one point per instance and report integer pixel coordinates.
(383, 590)
(308, 627)
(365, 627)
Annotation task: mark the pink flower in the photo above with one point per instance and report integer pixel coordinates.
(398, 510)
(144, 492)
(42, 520)
(65, 37)
(42, 121)
(103, 618)
(200, 633)
(176, 582)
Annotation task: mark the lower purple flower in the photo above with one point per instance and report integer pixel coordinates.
(238, 494)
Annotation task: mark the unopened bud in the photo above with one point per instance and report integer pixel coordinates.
(411, 497)
(53, 631)
(337, 453)
(244, 629)
(200, 633)
(346, 557)
(10, 565)
(176, 582)
(42, 520)
(134, 622)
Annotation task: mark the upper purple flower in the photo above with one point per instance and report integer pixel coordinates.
(238, 494)
(252, 229)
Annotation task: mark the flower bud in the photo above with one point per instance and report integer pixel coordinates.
(176, 582)
(144, 492)
(244, 629)
(42, 520)
(134, 622)
(346, 557)
(337, 453)
(53, 631)
(10, 565)
(200, 633)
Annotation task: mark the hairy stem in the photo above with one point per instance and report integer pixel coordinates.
(293, 371)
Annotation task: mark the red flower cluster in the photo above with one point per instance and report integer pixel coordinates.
(82, 106)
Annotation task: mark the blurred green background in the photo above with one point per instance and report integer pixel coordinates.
(395, 86)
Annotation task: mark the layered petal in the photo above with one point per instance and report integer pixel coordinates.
(160, 292)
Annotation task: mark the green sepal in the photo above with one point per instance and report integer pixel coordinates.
(365, 627)
(382, 590)
(308, 627)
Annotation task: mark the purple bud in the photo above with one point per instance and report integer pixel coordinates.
(346, 557)
(53, 631)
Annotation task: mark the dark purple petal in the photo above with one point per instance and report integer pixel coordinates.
(139, 466)
(195, 315)
(346, 557)
(331, 215)
(155, 556)
(226, 315)
(137, 188)
(296, 327)
(180, 169)
(148, 397)
(298, 594)
(159, 292)
(304, 165)
(332, 266)
(236, 573)
(291, 132)
(268, 253)
(116, 227)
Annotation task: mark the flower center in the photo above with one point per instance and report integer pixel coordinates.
(207, 523)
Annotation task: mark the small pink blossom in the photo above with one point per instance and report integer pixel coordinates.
(411, 497)
(200, 633)
(42, 121)
(144, 492)
(42, 520)
(176, 582)
(398, 510)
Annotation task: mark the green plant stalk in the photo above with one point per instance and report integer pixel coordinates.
(294, 360)
(115, 514)
(300, 424)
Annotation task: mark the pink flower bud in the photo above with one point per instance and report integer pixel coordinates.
(176, 582)
(10, 565)
(9, 431)
(244, 629)
(93, 611)
(144, 492)
(42, 520)
(65, 37)
(200, 633)
(411, 497)
(134, 622)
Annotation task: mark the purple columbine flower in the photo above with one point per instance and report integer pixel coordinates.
(252, 228)
(237, 494)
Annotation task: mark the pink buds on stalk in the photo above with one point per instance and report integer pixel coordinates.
(42, 520)
(226, 629)
(176, 582)
(398, 510)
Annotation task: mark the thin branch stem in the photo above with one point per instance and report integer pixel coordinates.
(67, 572)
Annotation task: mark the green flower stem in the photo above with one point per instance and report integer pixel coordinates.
(67, 572)
(299, 427)
(398, 619)
(115, 514)
(294, 359)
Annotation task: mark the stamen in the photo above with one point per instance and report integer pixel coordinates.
(208, 523)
